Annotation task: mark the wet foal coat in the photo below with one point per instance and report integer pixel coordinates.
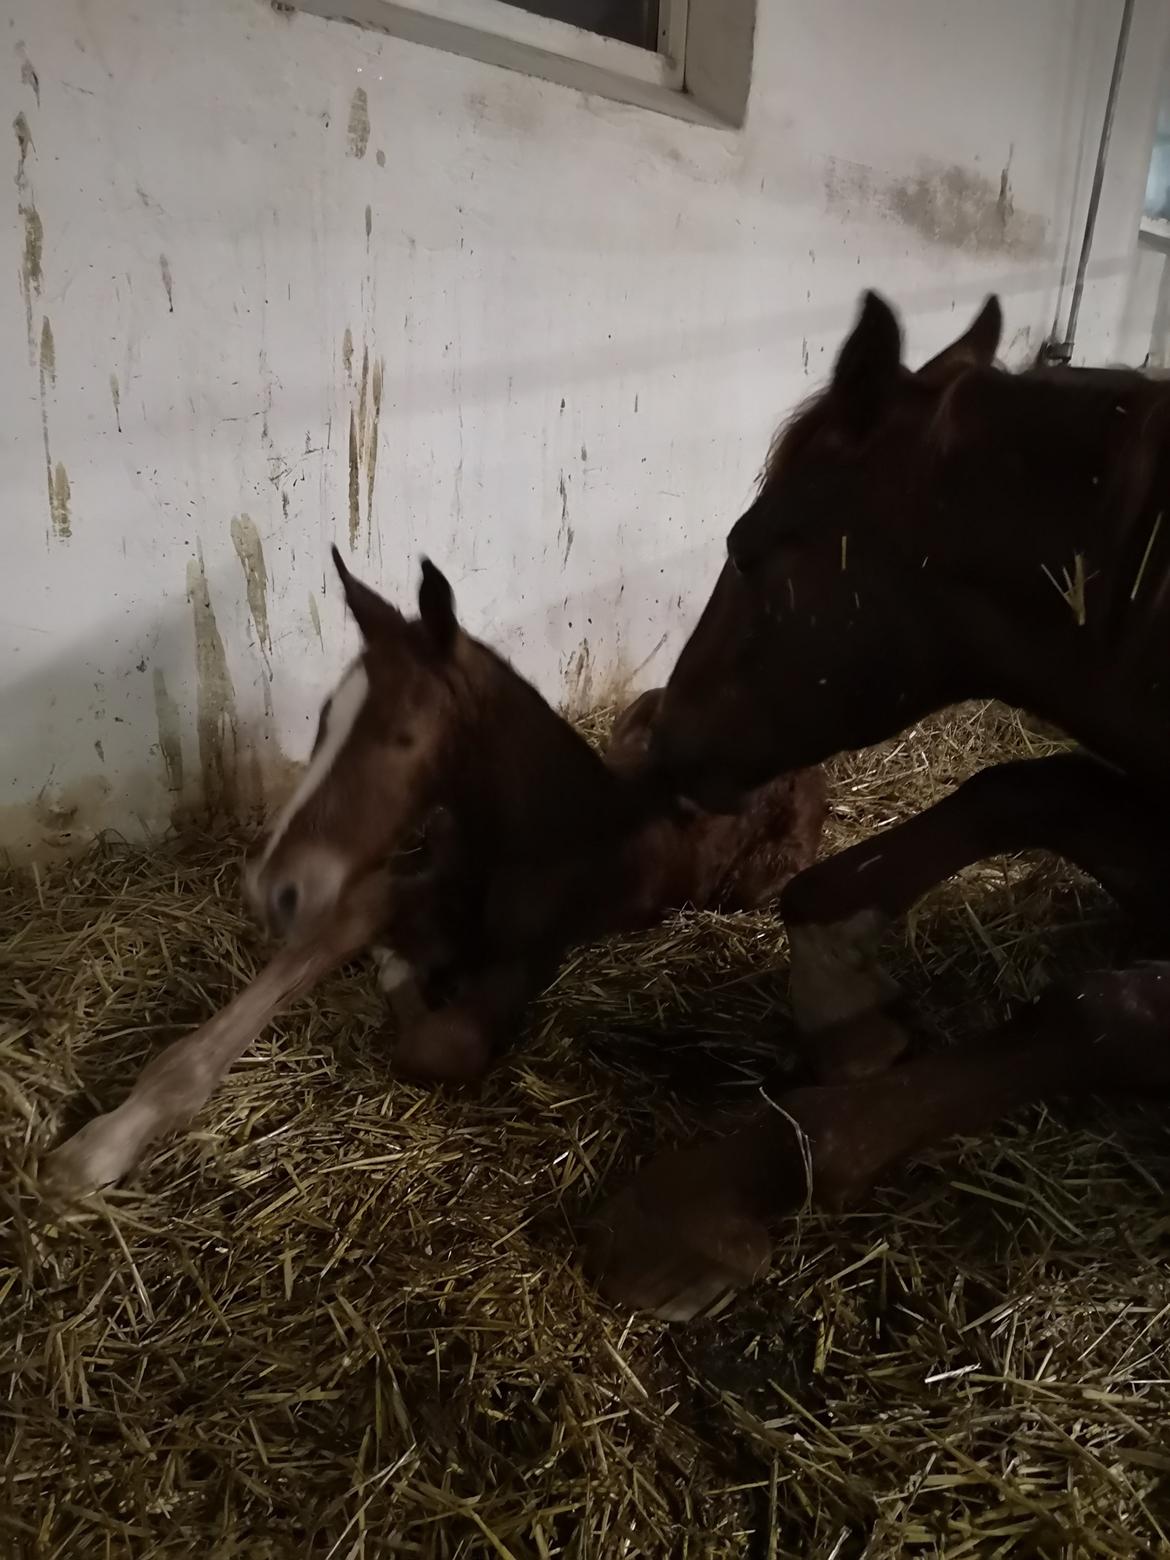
(448, 816)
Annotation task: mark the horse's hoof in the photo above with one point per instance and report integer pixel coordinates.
(687, 1231)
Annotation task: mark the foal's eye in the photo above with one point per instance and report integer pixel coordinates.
(402, 739)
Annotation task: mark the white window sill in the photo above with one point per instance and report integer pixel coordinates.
(535, 46)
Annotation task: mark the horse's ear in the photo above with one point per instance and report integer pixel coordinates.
(975, 348)
(867, 368)
(436, 607)
(374, 616)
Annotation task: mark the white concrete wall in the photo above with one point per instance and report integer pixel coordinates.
(584, 321)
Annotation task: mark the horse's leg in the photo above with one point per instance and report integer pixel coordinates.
(837, 910)
(458, 1042)
(180, 1079)
(694, 1224)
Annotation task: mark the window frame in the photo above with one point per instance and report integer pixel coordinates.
(501, 34)
(530, 31)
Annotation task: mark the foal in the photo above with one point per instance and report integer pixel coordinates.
(450, 817)
(919, 540)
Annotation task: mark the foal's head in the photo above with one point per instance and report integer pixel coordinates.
(376, 761)
(821, 633)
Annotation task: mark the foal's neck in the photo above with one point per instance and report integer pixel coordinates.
(536, 784)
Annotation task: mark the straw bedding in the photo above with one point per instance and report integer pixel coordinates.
(341, 1316)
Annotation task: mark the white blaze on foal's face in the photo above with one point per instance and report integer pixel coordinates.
(312, 882)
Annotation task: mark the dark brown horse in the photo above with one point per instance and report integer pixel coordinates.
(919, 539)
(451, 818)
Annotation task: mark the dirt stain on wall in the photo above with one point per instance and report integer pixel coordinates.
(358, 130)
(250, 552)
(216, 717)
(362, 394)
(372, 444)
(60, 494)
(577, 677)
(28, 75)
(48, 352)
(116, 397)
(347, 352)
(315, 615)
(56, 477)
(164, 266)
(355, 517)
(170, 732)
(31, 273)
(24, 144)
(946, 204)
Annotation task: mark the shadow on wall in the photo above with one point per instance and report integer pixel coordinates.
(166, 745)
(425, 392)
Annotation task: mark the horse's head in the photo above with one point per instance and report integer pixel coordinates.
(376, 762)
(821, 633)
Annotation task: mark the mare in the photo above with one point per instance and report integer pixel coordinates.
(449, 817)
(917, 540)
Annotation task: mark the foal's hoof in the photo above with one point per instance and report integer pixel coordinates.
(688, 1230)
(444, 1047)
(83, 1164)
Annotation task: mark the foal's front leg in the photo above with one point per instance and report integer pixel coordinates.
(181, 1078)
(837, 911)
(696, 1223)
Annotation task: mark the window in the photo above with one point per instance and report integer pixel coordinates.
(1157, 204)
(691, 58)
(629, 21)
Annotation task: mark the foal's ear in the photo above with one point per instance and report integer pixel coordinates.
(436, 607)
(374, 616)
(975, 348)
(867, 367)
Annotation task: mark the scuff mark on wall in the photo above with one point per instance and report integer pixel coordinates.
(358, 130)
(347, 352)
(170, 733)
(565, 534)
(164, 266)
(369, 223)
(28, 75)
(250, 552)
(355, 519)
(216, 717)
(116, 397)
(315, 615)
(372, 446)
(944, 203)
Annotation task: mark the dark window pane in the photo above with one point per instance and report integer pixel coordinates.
(630, 21)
